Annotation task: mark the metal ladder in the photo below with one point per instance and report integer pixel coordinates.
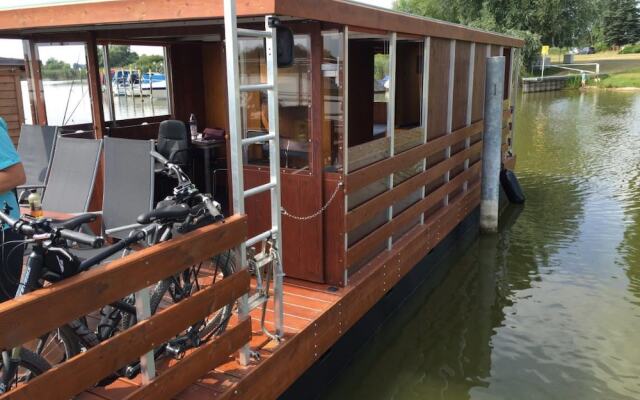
(237, 144)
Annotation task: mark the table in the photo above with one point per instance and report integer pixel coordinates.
(47, 214)
(207, 147)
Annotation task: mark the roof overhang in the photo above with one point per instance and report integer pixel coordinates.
(95, 15)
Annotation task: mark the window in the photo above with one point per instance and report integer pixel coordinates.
(294, 87)
(332, 92)
(409, 104)
(65, 83)
(137, 81)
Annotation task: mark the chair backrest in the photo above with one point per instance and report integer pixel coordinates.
(128, 183)
(72, 175)
(35, 147)
(172, 137)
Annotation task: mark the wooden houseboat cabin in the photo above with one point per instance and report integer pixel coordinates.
(380, 136)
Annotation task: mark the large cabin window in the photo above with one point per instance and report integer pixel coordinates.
(332, 93)
(65, 83)
(136, 79)
(294, 87)
(409, 104)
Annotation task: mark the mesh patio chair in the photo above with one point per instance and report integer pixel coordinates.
(128, 189)
(71, 175)
(128, 184)
(35, 147)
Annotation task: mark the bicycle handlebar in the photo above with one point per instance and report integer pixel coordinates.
(111, 250)
(82, 238)
(25, 229)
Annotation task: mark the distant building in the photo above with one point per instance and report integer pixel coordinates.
(12, 71)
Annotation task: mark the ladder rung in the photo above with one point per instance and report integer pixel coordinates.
(256, 87)
(260, 237)
(259, 189)
(256, 139)
(253, 33)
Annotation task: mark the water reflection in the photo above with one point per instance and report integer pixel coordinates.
(550, 307)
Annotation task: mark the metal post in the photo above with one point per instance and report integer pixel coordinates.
(235, 142)
(494, 91)
(425, 108)
(345, 135)
(274, 160)
(452, 70)
(143, 312)
(391, 119)
(107, 83)
(470, 83)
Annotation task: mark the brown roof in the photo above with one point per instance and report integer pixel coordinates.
(11, 62)
(93, 15)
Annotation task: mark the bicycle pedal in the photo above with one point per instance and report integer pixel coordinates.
(177, 352)
(254, 355)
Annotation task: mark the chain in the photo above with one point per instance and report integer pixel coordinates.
(317, 213)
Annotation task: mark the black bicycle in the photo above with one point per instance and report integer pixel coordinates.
(49, 261)
(186, 210)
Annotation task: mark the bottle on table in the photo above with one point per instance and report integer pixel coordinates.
(35, 204)
(193, 127)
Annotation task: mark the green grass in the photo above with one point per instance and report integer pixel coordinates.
(627, 79)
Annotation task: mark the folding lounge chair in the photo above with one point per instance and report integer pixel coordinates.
(35, 146)
(71, 175)
(128, 188)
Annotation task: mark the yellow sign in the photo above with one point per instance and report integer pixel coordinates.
(545, 50)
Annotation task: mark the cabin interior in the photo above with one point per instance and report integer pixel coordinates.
(380, 97)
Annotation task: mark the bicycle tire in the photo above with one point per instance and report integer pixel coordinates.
(67, 338)
(31, 362)
(216, 325)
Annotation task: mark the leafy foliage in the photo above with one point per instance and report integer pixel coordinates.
(57, 70)
(622, 22)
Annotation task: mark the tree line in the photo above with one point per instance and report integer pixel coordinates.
(559, 23)
(120, 56)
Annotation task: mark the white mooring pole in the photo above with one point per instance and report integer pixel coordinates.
(491, 157)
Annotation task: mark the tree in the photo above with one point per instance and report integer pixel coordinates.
(119, 56)
(622, 22)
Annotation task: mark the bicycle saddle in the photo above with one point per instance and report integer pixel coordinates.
(174, 212)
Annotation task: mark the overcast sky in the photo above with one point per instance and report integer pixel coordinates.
(71, 54)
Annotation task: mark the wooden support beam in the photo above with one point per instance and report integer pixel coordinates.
(88, 291)
(177, 378)
(84, 370)
(95, 86)
(361, 249)
(365, 176)
(36, 91)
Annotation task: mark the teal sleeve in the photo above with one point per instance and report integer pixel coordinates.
(8, 154)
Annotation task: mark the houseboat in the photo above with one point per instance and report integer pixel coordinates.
(352, 173)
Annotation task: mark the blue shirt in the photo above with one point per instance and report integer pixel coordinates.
(8, 157)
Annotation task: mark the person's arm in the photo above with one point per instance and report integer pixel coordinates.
(11, 177)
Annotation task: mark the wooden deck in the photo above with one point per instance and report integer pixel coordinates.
(316, 316)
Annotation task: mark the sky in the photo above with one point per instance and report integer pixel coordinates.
(71, 54)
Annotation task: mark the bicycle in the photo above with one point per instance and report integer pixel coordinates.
(186, 210)
(49, 261)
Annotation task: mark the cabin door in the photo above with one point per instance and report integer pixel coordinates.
(300, 160)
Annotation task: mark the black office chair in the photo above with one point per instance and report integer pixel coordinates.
(174, 143)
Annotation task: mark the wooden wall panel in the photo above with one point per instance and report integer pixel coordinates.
(333, 220)
(11, 108)
(188, 93)
(360, 92)
(214, 76)
(461, 85)
(477, 112)
(438, 87)
(507, 72)
(408, 84)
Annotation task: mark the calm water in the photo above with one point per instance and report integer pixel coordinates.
(70, 104)
(550, 307)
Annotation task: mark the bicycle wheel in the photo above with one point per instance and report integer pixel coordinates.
(188, 283)
(56, 346)
(31, 365)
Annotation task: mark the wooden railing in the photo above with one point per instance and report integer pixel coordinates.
(42, 311)
(363, 213)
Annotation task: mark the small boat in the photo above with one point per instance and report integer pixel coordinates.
(154, 82)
